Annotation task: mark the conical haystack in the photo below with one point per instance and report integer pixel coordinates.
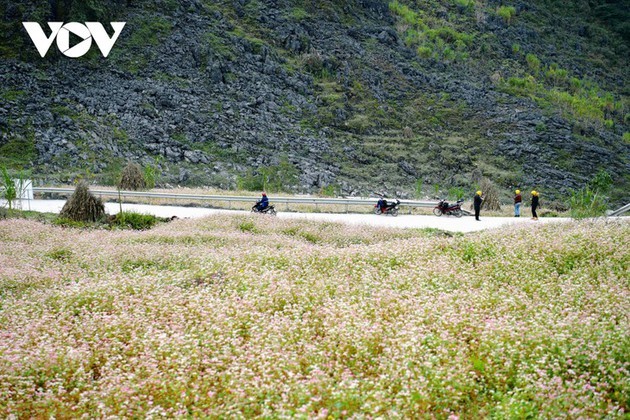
(83, 206)
(132, 178)
(490, 195)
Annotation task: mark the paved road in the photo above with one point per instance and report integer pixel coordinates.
(453, 224)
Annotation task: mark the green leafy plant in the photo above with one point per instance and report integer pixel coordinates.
(11, 188)
(592, 200)
(587, 203)
(150, 173)
(133, 220)
(602, 182)
(9, 191)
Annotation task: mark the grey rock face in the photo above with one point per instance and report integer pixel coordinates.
(208, 92)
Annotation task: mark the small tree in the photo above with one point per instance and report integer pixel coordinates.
(11, 189)
(9, 192)
(132, 178)
(82, 206)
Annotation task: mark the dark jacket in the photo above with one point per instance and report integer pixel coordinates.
(263, 203)
(477, 201)
(535, 202)
(518, 199)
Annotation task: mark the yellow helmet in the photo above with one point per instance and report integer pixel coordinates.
(518, 191)
(534, 193)
(479, 192)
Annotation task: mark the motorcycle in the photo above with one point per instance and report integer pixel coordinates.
(390, 208)
(444, 207)
(267, 210)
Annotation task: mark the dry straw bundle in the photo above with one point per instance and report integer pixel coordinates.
(82, 206)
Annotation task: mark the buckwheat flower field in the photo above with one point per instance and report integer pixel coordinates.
(258, 317)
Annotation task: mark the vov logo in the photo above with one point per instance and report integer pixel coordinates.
(88, 32)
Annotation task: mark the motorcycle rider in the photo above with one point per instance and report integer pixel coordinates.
(263, 203)
(477, 204)
(518, 201)
(382, 204)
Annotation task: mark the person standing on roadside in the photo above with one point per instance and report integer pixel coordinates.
(535, 205)
(518, 201)
(477, 204)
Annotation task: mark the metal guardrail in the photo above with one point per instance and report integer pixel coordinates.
(620, 211)
(227, 198)
(283, 200)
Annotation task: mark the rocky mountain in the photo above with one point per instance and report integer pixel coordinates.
(407, 97)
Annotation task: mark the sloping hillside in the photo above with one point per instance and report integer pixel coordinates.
(353, 96)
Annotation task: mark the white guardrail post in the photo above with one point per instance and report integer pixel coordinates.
(229, 199)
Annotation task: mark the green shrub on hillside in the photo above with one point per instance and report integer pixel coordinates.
(425, 51)
(442, 41)
(524, 86)
(298, 13)
(580, 99)
(533, 62)
(330, 190)
(465, 4)
(274, 178)
(556, 75)
(507, 13)
(359, 123)
(407, 15)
